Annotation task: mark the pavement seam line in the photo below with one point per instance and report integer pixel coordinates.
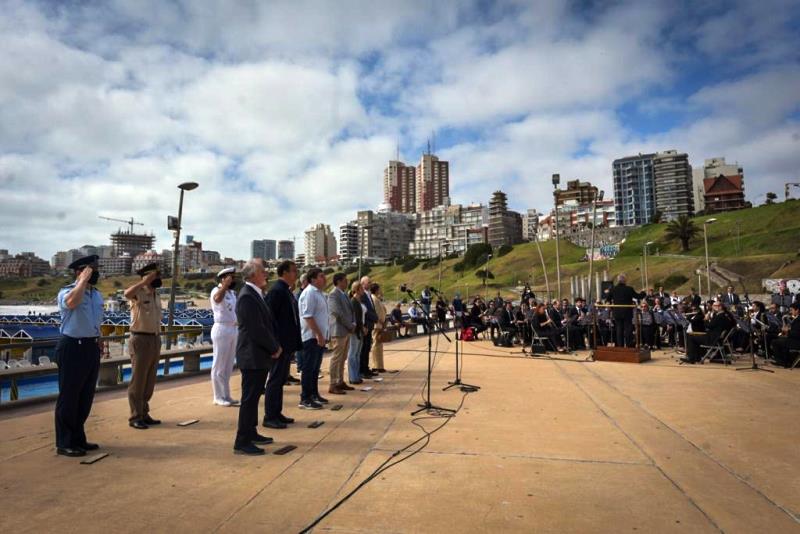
(530, 457)
(710, 456)
(332, 429)
(638, 446)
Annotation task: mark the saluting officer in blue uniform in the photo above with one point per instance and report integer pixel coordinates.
(78, 356)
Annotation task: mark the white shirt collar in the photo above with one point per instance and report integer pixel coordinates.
(258, 289)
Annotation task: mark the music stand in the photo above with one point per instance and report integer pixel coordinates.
(751, 334)
(459, 324)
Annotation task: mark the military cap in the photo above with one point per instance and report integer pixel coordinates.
(147, 268)
(226, 270)
(83, 262)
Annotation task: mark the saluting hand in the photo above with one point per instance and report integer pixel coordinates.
(83, 277)
(149, 277)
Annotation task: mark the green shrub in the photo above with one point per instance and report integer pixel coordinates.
(476, 254)
(483, 273)
(329, 270)
(41, 282)
(459, 267)
(503, 250)
(674, 280)
(409, 265)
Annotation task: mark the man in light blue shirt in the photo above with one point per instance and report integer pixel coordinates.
(78, 357)
(313, 310)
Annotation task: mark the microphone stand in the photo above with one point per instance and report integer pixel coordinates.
(754, 366)
(427, 405)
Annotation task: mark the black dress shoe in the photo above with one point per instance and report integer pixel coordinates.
(65, 451)
(283, 419)
(150, 421)
(274, 423)
(261, 440)
(291, 381)
(139, 425)
(90, 446)
(321, 400)
(247, 448)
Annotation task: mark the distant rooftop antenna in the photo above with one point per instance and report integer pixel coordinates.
(429, 147)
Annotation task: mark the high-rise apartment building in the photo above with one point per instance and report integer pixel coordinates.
(400, 187)
(263, 248)
(505, 226)
(285, 249)
(448, 229)
(348, 242)
(634, 190)
(433, 183)
(672, 176)
(320, 245)
(383, 234)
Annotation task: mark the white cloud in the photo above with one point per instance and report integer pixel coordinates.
(286, 112)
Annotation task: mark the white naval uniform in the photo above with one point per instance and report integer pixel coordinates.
(223, 337)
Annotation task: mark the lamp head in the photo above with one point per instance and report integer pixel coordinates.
(188, 186)
(556, 179)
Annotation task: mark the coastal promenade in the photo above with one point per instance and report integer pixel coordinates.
(544, 446)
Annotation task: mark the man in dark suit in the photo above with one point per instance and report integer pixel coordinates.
(663, 298)
(283, 306)
(790, 341)
(257, 349)
(623, 294)
(730, 299)
(370, 318)
(721, 321)
(695, 300)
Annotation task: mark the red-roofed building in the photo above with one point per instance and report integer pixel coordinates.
(724, 193)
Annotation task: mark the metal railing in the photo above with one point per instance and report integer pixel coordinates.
(111, 367)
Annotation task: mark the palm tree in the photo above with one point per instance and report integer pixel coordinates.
(682, 229)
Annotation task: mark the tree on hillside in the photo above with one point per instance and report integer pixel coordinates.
(771, 197)
(682, 229)
(657, 216)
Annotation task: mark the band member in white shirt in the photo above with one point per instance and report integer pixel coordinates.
(223, 336)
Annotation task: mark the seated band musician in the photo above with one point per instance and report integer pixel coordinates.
(788, 340)
(720, 321)
(649, 336)
(546, 327)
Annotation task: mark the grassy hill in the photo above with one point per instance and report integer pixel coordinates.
(758, 243)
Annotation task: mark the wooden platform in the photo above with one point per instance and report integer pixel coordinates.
(621, 354)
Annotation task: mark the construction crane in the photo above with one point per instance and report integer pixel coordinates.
(786, 190)
(130, 222)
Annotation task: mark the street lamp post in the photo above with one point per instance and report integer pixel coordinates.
(598, 197)
(446, 246)
(646, 247)
(544, 269)
(556, 181)
(708, 266)
(186, 186)
(485, 276)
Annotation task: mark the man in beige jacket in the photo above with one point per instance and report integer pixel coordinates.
(377, 332)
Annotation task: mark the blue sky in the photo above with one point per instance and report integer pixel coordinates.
(287, 112)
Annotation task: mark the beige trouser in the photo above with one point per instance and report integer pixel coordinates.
(377, 349)
(339, 347)
(145, 352)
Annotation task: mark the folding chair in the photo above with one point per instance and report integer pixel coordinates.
(721, 347)
(796, 352)
(541, 341)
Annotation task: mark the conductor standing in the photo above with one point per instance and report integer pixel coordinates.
(622, 294)
(78, 356)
